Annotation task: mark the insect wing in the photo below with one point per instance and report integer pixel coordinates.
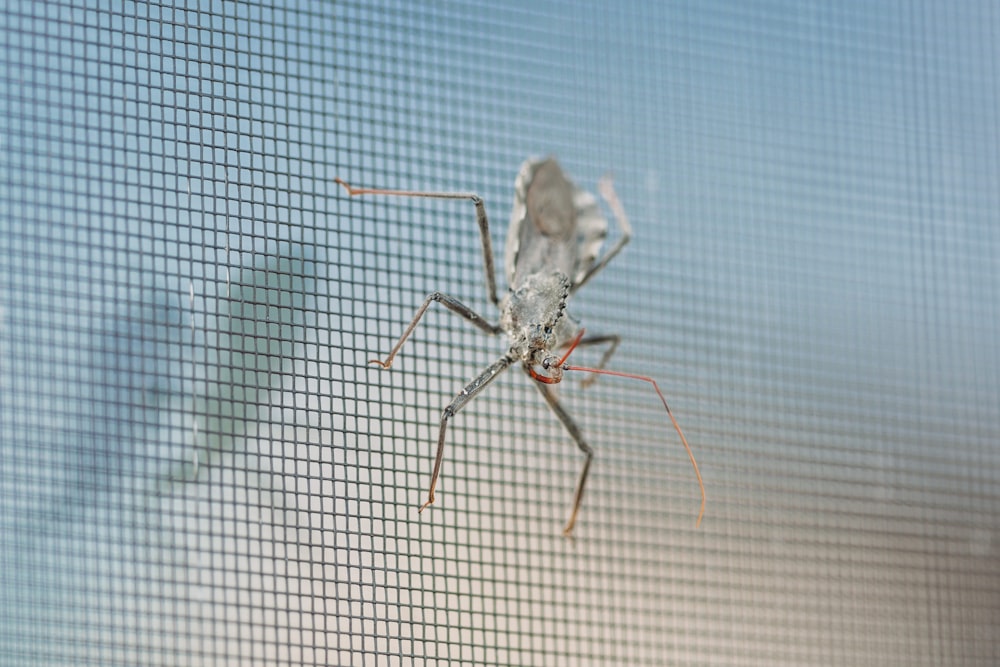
(554, 225)
(520, 251)
(591, 230)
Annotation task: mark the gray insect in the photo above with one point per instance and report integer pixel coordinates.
(556, 232)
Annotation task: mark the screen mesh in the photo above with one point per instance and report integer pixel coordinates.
(198, 465)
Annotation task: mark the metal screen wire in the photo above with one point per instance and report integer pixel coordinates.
(198, 465)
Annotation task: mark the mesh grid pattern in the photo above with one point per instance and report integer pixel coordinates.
(199, 466)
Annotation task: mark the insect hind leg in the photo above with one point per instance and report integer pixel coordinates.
(577, 435)
(607, 190)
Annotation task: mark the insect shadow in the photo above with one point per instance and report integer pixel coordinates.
(556, 232)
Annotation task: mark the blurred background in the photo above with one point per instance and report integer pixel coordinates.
(199, 466)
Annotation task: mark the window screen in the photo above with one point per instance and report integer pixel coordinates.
(199, 465)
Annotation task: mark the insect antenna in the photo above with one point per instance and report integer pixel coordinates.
(572, 346)
(644, 378)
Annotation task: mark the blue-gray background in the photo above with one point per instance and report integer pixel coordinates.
(197, 465)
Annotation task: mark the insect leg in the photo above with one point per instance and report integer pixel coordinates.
(451, 304)
(607, 191)
(466, 395)
(574, 431)
(481, 219)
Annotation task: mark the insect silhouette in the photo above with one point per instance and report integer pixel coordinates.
(556, 232)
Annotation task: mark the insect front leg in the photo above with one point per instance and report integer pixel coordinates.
(451, 304)
(471, 391)
(577, 435)
(481, 219)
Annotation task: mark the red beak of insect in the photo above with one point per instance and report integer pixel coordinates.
(556, 366)
(553, 367)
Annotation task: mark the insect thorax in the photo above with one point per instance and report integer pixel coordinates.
(534, 315)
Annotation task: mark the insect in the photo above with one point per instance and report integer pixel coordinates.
(556, 232)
